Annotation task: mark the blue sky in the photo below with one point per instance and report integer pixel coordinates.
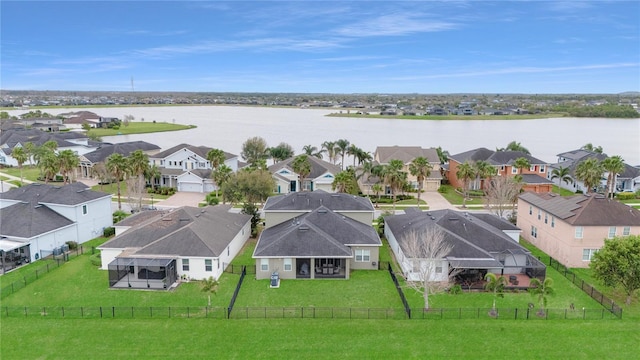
(322, 46)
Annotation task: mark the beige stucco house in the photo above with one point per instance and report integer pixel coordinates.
(572, 229)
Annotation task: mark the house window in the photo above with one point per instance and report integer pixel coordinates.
(439, 269)
(201, 164)
(287, 264)
(532, 168)
(579, 232)
(587, 254)
(228, 250)
(514, 170)
(185, 264)
(363, 255)
(85, 209)
(208, 265)
(626, 231)
(541, 168)
(612, 232)
(530, 210)
(264, 264)
(534, 231)
(539, 214)
(546, 218)
(553, 222)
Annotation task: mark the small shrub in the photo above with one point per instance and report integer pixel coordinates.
(455, 289)
(212, 199)
(625, 196)
(442, 190)
(95, 259)
(109, 231)
(72, 245)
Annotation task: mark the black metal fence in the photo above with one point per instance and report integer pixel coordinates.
(236, 291)
(195, 312)
(596, 295)
(50, 263)
(407, 308)
(238, 269)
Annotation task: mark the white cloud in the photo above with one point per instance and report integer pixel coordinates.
(395, 25)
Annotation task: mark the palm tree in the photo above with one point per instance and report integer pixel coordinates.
(138, 166)
(516, 146)
(364, 157)
(377, 189)
(209, 286)
(353, 151)
(255, 151)
(521, 163)
(613, 165)
(221, 175)
(50, 164)
(21, 157)
(330, 148)
(68, 162)
(594, 149)
(118, 166)
(342, 146)
(496, 285)
(443, 155)
(302, 166)
(394, 177)
(421, 169)
(590, 172)
(312, 151)
(541, 289)
(152, 173)
(562, 174)
(465, 173)
(483, 171)
(342, 181)
(215, 157)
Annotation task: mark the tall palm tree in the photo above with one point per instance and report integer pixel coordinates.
(594, 149)
(118, 166)
(613, 165)
(377, 189)
(496, 285)
(421, 169)
(521, 163)
(330, 148)
(353, 151)
(302, 166)
(312, 151)
(153, 173)
(50, 164)
(21, 157)
(483, 170)
(562, 174)
(395, 178)
(215, 157)
(69, 161)
(138, 165)
(221, 175)
(541, 289)
(590, 172)
(465, 173)
(363, 156)
(516, 146)
(342, 146)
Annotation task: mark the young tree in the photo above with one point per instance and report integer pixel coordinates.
(495, 284)
(255, 150)
(138, 166)
(118, 166)
(135, 191)
(377, 189)
(562, 174)
(465, 173)
(502, 194)
(421, 169)
(281, 152)
(613, 165)
(254, 212)
(21, 157)
(100, 171)
(251, 185)
(443, 155)
(302, 166)
(541, 289)
(209, 285)
(590, 172)
(426, 250)
(617, 263)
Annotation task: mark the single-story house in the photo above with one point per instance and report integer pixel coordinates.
(186, 243)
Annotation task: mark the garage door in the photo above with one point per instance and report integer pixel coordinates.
(190, 187)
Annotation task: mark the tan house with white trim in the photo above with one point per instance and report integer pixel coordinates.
(571, 229)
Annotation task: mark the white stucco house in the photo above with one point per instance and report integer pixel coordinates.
(320, 178)
(38, 219)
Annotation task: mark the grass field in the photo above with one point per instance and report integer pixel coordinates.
(140, 128)
(78, 283)
(455, 198)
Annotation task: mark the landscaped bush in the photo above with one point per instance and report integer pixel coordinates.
(625, 196)
(95, 259)
(109, 231)
(443, 189)
(212, 199)
(72, 245)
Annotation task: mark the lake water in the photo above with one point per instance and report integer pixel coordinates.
(227, 127)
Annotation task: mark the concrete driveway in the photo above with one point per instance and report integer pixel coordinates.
(181, 199)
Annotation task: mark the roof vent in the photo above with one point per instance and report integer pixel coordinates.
(303, 228)
(322, 211)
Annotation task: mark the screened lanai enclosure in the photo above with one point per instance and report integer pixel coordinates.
(142, 273)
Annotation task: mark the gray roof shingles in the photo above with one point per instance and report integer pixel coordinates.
(309, 200)
(27, 220)
(318, 167)
(71, 194)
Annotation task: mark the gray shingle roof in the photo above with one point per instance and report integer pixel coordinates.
(199, 150)
(469, 235)
(585, 210)
(318, 167)
(384, 154)
(71, 194)
(27, 220)
(535, 179)
(125, 149)
(321, 233)
(187, 231)
(494, 157)
(309, 200)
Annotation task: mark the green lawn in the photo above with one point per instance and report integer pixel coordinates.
(140, 128)
(563, 192)
(28, 172)
(455, 198)
(113, 189)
